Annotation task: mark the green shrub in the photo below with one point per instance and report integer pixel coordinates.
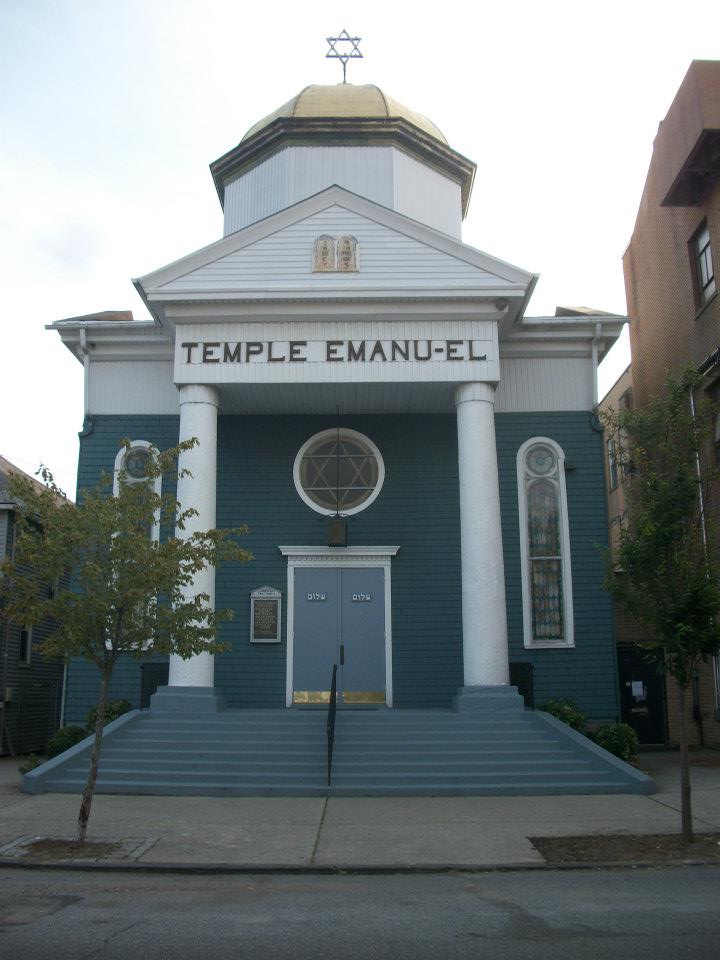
(65, 738)
(618, 739)
(113, 710)
(29, 763)
(568, 712)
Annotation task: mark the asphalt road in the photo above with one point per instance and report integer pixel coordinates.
(656, 914)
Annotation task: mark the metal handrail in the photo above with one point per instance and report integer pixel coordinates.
(332, 710)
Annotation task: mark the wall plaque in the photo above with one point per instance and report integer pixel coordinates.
(265, 615)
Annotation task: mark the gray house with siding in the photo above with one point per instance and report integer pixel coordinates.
(30, 685)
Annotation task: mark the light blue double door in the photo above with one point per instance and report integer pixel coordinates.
(339, 618)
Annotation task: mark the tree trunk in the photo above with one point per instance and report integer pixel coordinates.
(87, 796)
(685, 799)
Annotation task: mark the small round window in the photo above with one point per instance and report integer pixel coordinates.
(541, 460)
(338, 471)
(137, 463)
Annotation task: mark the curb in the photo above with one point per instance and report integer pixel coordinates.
(282, 869)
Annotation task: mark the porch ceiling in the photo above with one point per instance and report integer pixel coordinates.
(328, 398)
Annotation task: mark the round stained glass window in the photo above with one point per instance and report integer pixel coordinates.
(339, 471)
(137, 463)
(541, 460)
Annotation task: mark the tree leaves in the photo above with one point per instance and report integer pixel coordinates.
(121, 591)
(665, 571)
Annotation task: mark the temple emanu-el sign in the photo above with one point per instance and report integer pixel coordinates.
(330, 351)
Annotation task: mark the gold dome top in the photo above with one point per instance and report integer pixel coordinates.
(348, 101)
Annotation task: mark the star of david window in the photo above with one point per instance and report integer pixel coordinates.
(338, 471)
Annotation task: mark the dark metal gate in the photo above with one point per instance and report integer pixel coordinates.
(642, 695)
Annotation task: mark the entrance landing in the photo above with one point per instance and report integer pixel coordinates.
(465, 752)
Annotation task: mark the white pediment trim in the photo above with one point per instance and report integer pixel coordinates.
(309, 555)
(150, 285)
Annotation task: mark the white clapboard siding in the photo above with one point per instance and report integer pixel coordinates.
(284, 260)
(427, 196)
(117, 386)
(544, 384)
(385, 175)
(299, 172)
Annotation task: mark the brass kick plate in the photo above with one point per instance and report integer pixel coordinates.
(311, 696)
(347, 696)
(363, 696)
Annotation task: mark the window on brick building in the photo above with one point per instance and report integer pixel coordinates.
(704, 273)
(612, 464)
(625, 401)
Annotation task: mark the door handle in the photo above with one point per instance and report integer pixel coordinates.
(342, 654)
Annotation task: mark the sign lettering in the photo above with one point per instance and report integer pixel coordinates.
(332, 351)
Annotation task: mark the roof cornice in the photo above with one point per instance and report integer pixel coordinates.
(364, 132)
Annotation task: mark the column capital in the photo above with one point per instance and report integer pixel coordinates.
(466, 392)
(199, 393)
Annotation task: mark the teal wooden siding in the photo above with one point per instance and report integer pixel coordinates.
(417, 509)
(587, 673)
(99, 444)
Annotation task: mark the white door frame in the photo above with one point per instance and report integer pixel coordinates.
(338, 557)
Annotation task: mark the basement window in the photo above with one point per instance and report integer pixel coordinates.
(25, 655)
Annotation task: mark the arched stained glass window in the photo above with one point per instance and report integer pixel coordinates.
(133, 464)
(545, 545)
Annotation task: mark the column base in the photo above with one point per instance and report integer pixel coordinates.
(189, 701)
(490, 700)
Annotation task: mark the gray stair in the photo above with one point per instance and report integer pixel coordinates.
(377, 753)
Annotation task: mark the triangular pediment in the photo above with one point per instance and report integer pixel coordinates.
(397, 257)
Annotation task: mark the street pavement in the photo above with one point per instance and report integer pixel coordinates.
(669, 914)
(360, 832)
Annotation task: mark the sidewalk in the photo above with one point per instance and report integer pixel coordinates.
(372, 832)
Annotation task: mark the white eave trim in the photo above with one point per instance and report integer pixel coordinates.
(319, 294)
(339, 552)
(332, 196)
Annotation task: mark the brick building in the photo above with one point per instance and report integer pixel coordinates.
(671, 286)
(641, 687)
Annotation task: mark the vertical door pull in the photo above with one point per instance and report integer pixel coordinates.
(342, 654)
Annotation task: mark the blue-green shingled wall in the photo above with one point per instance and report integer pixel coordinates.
(417, 509)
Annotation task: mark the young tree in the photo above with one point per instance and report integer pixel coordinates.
(665, 570)
(131, 594)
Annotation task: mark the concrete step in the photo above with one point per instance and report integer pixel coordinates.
(382, 752)
(290, 788)
(378, 770)
(277, 753)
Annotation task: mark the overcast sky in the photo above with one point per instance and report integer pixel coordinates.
(111, 112)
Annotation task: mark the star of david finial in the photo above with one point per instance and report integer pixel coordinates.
(346, 52)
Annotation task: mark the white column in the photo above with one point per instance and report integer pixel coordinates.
(198, 418)
(485, 649)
